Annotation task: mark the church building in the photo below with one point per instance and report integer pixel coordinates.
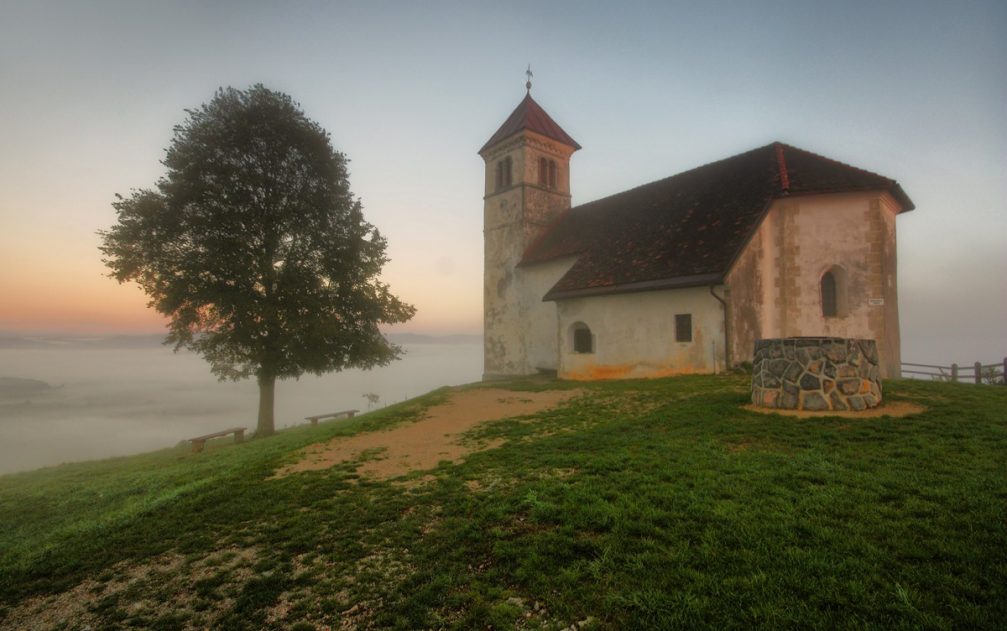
(684, 274)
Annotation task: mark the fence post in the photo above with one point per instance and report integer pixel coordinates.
(979, 372)
(954, 373)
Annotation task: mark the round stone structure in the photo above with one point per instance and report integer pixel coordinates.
(816, 373)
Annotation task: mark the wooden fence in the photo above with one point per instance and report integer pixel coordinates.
(974, 373)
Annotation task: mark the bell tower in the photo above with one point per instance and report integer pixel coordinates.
(527, 188)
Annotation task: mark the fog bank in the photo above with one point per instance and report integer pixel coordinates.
(104, 401)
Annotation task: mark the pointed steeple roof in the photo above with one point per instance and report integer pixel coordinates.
(530, 115)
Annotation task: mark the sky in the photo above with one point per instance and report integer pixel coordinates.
(409, 91)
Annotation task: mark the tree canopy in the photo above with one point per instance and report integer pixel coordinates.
(254, 247)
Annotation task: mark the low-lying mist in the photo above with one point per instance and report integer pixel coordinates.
(66, 401)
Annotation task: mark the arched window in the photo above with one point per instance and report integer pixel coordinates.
(583, 340)
(507, 171)
(499, 175)
(833, 287)
(546, 173)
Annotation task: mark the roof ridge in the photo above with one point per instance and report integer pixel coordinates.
(664, 179)
(781, 164)
(784, 145)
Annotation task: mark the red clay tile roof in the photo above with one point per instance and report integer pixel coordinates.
(530, 115)
(686, 230)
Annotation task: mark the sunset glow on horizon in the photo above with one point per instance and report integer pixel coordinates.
(91, 93)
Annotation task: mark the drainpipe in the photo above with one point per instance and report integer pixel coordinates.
(727, 330)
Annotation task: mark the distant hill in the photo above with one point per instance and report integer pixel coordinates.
(416, 338)
(153, 340)
(42, 342)
(17, 387)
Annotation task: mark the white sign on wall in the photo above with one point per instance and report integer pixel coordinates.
(875, 302)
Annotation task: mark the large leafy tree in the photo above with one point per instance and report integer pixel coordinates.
(254, 247)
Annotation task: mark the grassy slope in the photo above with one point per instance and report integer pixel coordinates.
(646, 504)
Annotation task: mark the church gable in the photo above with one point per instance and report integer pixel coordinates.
(687, 230)
(820, 265)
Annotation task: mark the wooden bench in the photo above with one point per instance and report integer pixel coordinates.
(332, 415)
(199, 442)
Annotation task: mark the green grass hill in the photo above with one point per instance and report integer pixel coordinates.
(657, 504)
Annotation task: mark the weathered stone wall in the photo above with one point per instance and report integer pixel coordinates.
(816, 373)
(513, 217)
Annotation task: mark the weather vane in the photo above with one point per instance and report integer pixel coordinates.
(527, 84)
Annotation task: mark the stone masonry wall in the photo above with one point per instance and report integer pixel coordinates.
(816, 373)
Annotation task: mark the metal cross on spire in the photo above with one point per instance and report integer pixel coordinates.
(529, 74)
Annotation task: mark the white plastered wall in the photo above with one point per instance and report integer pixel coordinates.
(541, 338)
(634, 335)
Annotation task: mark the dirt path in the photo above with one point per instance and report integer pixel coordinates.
(421, 445)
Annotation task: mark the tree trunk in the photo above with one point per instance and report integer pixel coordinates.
(267, 389)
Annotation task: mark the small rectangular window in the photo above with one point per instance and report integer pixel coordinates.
(582, 340)
(683, 327)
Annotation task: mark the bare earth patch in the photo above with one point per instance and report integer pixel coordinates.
(163, 586)
(51, 611)
(422, 444)
(889, 408)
